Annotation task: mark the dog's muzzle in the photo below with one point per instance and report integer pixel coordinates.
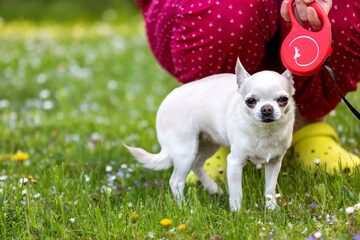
(267, 114)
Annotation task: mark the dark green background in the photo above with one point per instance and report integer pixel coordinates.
(64, 10)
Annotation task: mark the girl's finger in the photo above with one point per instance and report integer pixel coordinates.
(284, 10)
(301, 9)
(313, 18)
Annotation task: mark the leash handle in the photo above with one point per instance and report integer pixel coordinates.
(348, 104)
(304, 52)
(319, 10)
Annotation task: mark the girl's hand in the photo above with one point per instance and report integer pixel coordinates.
(303, 13)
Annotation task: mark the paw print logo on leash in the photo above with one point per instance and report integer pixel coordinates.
(309, 50)
(297, 54)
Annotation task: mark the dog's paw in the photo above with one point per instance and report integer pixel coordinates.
(235, 205)
(271, 205)
(270, 202)
(218, 192)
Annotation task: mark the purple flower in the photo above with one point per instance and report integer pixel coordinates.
(356, 237)
(136, 182)
(311, 238)
(160, 183)
(313, 205)
(217, 236)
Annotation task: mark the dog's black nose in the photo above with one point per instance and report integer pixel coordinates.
(267, 110)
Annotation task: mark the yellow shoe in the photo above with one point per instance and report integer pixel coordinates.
(318, 145)
(214, 166)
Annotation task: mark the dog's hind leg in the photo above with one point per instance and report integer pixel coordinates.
(183, 159)
(206, 150)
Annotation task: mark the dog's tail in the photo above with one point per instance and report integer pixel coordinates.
(159, 161)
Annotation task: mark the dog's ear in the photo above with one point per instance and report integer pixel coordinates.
(240, 73)
(288, 75)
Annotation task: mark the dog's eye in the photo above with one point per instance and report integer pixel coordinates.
(251, 102)
(283, 100)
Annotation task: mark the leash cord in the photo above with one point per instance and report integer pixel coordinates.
(353, 110)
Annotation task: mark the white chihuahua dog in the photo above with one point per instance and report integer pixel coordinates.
(253, 115)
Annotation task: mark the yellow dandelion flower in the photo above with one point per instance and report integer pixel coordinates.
(181, 227)
(21, 156)
(54, 133)
(135, 216)
(30, 177)
(34, 181)
(166, 222)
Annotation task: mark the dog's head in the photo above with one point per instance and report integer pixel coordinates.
(266, 96)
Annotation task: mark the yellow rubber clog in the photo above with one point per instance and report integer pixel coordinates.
(215, 166)
(317, 145)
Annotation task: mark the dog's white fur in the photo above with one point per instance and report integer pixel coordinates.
(197, 117)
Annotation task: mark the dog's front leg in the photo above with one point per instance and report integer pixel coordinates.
(234, 177)
(272, 170)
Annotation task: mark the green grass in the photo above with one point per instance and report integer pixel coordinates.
(72, 94)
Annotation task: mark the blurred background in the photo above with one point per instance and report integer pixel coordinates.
(66, 10)
(75, 69)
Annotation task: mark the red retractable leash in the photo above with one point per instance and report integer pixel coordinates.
(305, 53)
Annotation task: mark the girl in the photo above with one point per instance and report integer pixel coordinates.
(195, 39)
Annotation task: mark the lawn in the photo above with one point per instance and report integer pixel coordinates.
(73, 93)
